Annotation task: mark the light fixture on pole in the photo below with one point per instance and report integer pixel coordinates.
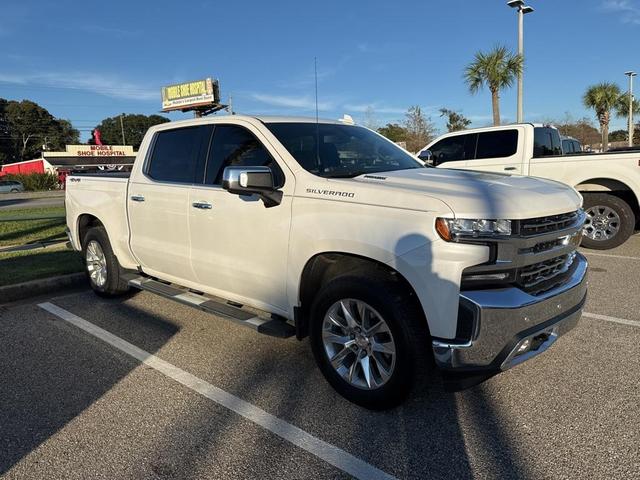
(522, 11)
(630, 74)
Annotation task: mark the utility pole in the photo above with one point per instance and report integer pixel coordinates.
(522, 10)
(122, 129)
(630, 74)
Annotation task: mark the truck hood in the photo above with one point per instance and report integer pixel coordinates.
(472, 194)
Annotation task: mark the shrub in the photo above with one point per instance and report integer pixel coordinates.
(35, 181)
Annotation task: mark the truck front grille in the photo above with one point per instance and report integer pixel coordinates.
(533, 276)
(536, 226)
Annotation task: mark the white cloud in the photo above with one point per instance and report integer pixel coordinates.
(107, 85)
(376, 107)
(629, 10)
(288, 101)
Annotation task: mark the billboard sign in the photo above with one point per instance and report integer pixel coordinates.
(185, 96)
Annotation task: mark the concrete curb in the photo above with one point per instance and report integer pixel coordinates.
(10, 293)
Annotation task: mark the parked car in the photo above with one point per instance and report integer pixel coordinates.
(332, 231)
(570, 145)
(11, 186)
(609, 182)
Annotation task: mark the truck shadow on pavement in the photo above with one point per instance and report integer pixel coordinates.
(51, 372)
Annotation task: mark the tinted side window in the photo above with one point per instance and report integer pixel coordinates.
(546, 141)
(458, 147)
(236, 146)
(499, 144)
(178, 154)
(567, 146)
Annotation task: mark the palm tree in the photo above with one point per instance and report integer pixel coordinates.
(622, 108)
(602, 97)
(497, 70)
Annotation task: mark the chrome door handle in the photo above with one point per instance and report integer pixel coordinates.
(202, 205)
(137, 198)
(510, 168)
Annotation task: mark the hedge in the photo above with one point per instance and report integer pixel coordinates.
(35, 181)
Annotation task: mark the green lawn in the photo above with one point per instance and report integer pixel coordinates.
(18, 267)
(28, 231)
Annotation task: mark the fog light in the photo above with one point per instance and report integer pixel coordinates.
(487, 276)
(523, 346)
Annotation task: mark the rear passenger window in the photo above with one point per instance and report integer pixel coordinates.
(546, 141)
(455, 148)
(499, 144)
(178, 154)
(236, 146)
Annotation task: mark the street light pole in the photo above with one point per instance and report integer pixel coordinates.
(630, 75)
(522, 10)
(122, 129)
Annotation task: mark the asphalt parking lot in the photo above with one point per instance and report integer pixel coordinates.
(162, 391)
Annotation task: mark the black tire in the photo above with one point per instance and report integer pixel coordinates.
(114, 284)
(627, 221)
(406, 323)
(14, 190)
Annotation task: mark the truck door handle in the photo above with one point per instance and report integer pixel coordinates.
(510, 168)
(137, 198)
(202, 205)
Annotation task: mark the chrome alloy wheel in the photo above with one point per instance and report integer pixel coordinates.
(602, 223)
(96, 263)
(358, 344)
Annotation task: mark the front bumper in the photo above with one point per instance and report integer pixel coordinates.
(510, 326)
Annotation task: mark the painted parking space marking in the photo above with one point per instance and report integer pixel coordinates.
(607, 318)
(623, 257)
(329, 453)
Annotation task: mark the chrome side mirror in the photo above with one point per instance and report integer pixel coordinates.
(252, 181)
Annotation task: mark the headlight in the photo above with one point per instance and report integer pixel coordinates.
(453, 229)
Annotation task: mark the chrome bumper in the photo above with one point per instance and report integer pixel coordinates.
(511, 326)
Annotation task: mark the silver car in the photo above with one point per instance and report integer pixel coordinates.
(11, 186)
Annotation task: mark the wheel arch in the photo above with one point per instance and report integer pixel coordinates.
(326, 266)
(84, 223)
(614, 187)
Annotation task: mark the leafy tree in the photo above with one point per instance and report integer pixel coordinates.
(6, 143)
(455, 121)
(27, 127)
(622, 106)
(134, 125)
(582, 129)
(394, 132)
(602, 98)
(618, 135)
(496, 70)
(419, 129)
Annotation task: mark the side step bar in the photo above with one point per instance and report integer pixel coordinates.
(273, 327)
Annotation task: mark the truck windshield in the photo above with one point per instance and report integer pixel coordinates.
(338, 151)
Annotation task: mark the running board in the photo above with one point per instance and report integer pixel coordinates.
(273, 327)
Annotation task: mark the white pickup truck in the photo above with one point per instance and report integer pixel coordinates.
(328, 230)
(609, 182)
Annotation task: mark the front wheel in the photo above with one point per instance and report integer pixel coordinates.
(610, 221)
(102, 267)
(14, 190)
(369, 340)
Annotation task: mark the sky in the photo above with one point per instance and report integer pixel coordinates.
(85, 61)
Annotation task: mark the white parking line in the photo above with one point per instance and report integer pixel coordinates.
(624, 257)
(607, 318)
(333, 455)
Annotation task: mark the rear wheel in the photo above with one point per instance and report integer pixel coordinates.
(610, 221)
(102, 267)
(14, 190)
(369, 340)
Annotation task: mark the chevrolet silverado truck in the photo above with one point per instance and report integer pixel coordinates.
(609, 182)
(327, 230)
